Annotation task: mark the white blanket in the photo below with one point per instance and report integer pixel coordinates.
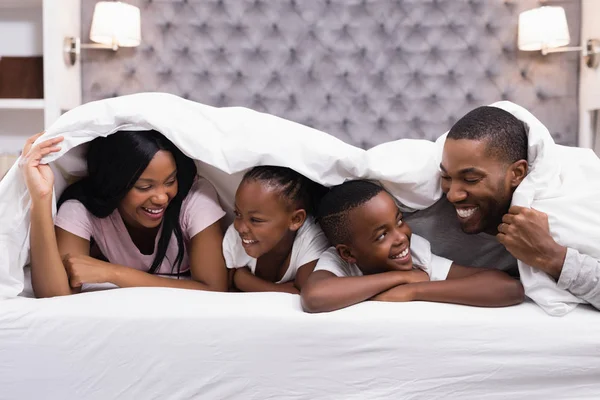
(227, 141)
(157, 343)
(224, 141)
(563, 182)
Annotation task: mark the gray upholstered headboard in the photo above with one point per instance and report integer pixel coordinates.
(366, 71)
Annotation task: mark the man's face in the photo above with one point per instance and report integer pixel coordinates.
(478, 184)
(380, 240)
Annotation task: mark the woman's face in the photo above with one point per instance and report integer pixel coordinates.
(145, 204)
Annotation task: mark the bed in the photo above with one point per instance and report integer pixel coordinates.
(160, 343)
(367, 72)
(177, 344)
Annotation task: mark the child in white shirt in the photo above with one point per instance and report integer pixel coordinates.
(274, 242)
(376, 257)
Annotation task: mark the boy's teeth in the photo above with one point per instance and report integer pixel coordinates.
(248, 241)
(466, 212)
(403, 254)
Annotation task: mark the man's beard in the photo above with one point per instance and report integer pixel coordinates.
(497, 207)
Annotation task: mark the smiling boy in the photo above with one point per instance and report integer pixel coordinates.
(376, 257)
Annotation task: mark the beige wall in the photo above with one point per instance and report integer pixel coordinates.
(6, 161)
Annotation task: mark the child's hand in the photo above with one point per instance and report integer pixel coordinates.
(290, 285)
(401, 293)
(413, 276)
(417, 275)
(405, 291)
(239, 277)
(245, 281)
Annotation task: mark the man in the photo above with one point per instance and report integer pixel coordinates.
(484, 160)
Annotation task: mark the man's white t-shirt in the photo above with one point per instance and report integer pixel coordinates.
(309, 244)
(436, 267)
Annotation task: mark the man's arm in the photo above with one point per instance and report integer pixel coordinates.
(580, 275)
(324, 291)
(525, 233)
(464, 285)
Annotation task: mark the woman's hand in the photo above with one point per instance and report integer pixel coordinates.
(85, 269)
(38, 177)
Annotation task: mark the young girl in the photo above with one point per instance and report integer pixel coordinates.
(141, 211)
(274, 242)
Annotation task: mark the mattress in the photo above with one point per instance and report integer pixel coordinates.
(160, 343)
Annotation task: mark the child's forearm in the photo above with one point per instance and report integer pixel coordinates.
(245, 281)
(488, 288)
(331, 293)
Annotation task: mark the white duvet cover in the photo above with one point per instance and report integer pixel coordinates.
(177, 344)
(563, 182)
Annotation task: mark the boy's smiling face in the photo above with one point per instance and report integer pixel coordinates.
(379, 239)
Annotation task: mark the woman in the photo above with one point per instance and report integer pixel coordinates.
(141, 211)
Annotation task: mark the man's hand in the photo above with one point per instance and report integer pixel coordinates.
(526, 235)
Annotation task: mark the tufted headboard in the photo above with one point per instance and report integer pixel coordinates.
(366, 71)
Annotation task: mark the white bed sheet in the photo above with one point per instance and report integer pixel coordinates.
(158, 343)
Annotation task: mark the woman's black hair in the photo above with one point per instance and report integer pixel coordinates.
(297, 189)
(114, 165)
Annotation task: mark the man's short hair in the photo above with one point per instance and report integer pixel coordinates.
(505, 134)
(335, 207)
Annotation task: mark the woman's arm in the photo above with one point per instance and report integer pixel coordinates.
(206, 258)
(245, 281)
(324, 291)
(206, 272)
(207, 267)
(465, 285)
(48, 275)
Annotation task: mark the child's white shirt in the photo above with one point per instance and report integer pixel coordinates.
(435, 266)
(309, 244)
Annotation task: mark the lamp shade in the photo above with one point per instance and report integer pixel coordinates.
(116, 23)
(543, 27)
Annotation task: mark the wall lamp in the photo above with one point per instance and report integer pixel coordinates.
(545, 29)
(114, 24)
